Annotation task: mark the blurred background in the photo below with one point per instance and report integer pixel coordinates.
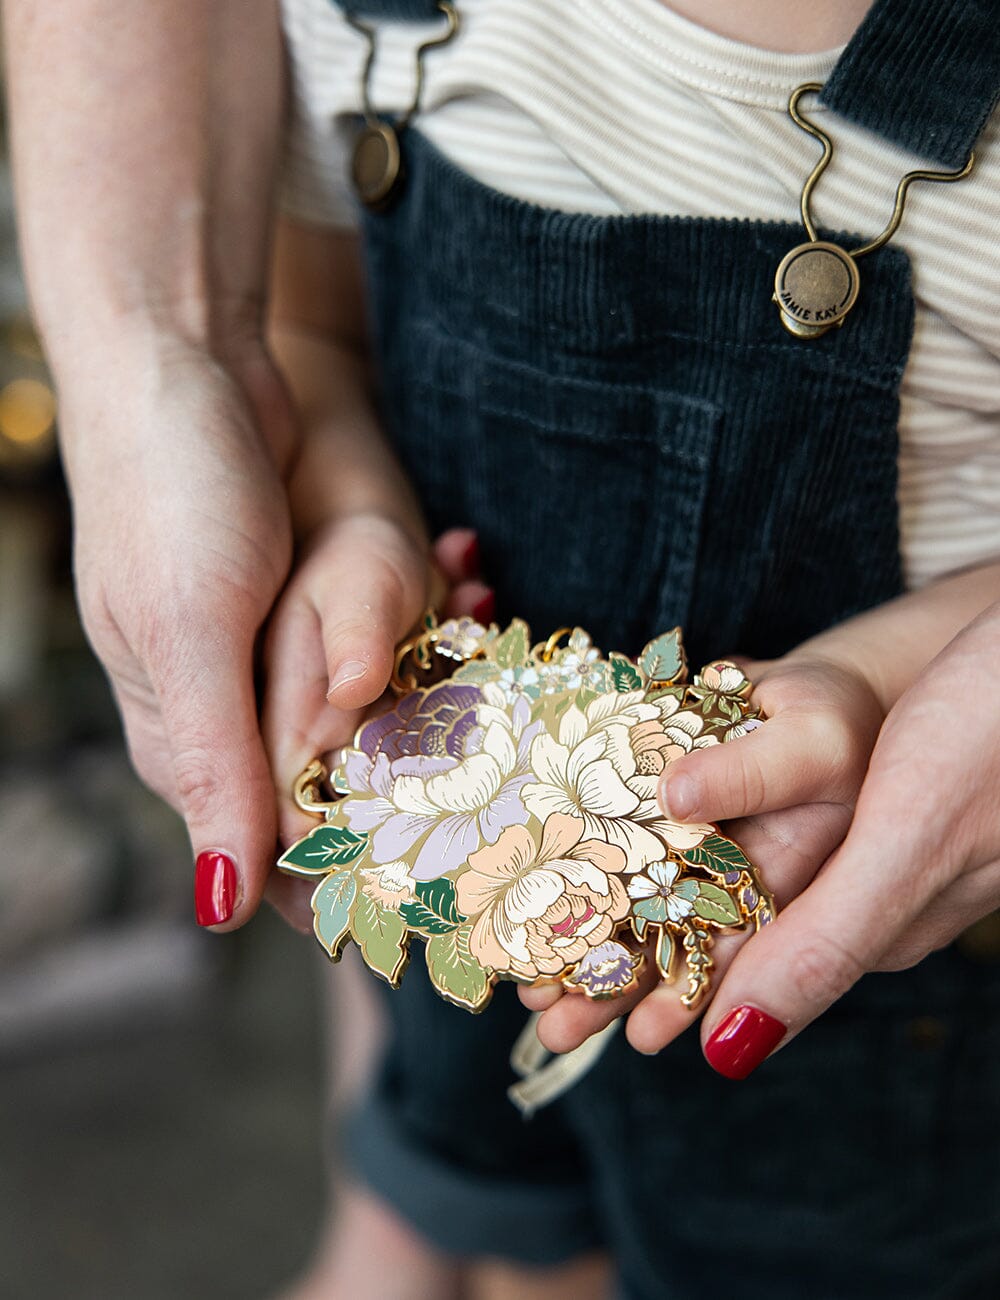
(161, 1091)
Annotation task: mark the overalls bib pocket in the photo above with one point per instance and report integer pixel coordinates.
(632, 459)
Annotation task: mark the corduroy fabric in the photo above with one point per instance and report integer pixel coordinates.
(924, 74)
(615, 406)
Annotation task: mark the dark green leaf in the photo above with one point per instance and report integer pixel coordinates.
(717, 854)
(322, 850)
(433, 911)
(624, 674)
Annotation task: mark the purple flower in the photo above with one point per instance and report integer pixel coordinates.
(605, 971)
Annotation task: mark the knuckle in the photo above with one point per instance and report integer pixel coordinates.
(747, 782)
(197, 784)
(822, 969)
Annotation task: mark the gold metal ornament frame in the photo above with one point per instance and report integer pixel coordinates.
(571, 872)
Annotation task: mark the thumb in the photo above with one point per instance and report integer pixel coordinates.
(222, 780)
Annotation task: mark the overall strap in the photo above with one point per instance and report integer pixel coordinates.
(923, 74)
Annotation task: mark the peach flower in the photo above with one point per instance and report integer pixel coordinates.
(539, 909)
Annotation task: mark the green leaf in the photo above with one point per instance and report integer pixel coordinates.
(433, 911)
(639, 926)
(665, 948)
(380, 934)
(455, 973)
(624, 674)
(663, 659)
(323, 849)
(331, 905)
(652, 909)
(511, 647)
(717, 854)
(714, 904)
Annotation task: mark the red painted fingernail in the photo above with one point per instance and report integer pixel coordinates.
(214, 887)
(487, 607)
(470, 559)
(744, 1039)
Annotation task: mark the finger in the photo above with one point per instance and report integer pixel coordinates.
(473, 598)
(788, 847)
(575, 1018)
(291, 898)
(221, 775)
(822, 943)
(539, 997)
(372, 590)
(456, 553)
(814, 747)
(298, 722)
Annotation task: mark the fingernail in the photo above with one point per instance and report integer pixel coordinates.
(487, 607)
(678, 795)
(470, 559)
(349, 672)
(214, 887)
(744, 1039)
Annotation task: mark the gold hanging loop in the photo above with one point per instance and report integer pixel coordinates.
(306, 793)
(817, 283)
(377, 164)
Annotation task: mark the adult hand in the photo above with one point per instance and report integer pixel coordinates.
(920, 864)
(182, 542)
(361, 587)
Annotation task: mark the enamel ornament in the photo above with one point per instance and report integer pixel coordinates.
(504, 812)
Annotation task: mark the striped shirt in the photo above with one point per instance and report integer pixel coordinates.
(622, 106)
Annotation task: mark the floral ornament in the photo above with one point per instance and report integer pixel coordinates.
(540, 907)
(507, 817)
(659, 896)
(605, 971)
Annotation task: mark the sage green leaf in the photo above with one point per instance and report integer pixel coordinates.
(639, 926)
(714, 904)
(665, 948)
(717, 854)
(322, 850)
(455, 973)
(380, 934)
(653, 909)
(663, 659)
(331, 905)
(624, 674)
(511, 647)
(433, 911)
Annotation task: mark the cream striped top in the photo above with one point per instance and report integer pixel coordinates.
(622, 106)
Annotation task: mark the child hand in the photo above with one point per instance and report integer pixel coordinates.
(793, 783)
(331, 648)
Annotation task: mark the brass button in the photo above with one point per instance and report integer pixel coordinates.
(376, 165)
(815, 286)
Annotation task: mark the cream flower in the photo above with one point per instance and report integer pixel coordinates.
(539, 908)
(591, 772)
(391, 885)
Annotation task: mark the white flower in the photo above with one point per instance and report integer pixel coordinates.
(658, 897)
